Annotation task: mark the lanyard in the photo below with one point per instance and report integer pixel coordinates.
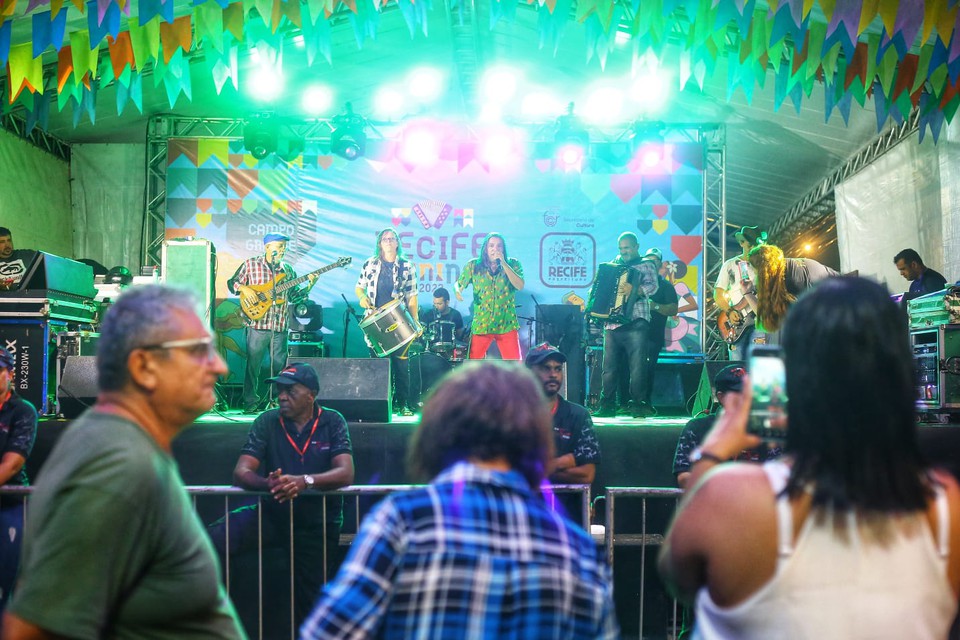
(306, 444)
(556, 403)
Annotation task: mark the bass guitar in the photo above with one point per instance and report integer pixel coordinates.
(270, 293)
(733, 323)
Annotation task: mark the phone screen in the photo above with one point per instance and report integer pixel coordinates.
(768, 380)
(744, 271)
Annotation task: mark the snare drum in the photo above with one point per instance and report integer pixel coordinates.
(389, 328)
(442, 336)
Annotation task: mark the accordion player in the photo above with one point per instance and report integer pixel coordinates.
(606, 300)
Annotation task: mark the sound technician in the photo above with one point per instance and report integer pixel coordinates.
(269, 333)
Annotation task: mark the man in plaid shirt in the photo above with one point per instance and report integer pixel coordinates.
(477, 553)
(269, 333)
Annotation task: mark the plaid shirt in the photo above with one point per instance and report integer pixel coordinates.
(648, 283)
(475, 554)
(256, 271)
(404, 279)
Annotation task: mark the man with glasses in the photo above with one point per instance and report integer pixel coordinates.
(300, 447)
(113, 547)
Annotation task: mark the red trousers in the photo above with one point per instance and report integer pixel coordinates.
(508, 343)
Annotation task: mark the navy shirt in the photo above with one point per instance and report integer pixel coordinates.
(268, 443)
(928, 282)
(18, 432)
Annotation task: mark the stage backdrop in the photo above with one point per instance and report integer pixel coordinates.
(559, 223)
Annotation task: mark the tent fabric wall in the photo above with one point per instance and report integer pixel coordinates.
(36, 200)
(107, 193)
(892, 204)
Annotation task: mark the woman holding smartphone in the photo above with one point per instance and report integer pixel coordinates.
(848, 535)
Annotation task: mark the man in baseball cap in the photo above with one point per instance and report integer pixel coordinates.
(298, 448)
(577, 449)
(265, 316)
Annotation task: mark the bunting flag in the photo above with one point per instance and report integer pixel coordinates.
(912, 58)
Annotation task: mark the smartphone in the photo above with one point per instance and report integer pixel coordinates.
(744, 270)
(768, 380)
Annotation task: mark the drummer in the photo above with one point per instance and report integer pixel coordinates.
(386, 276)
(442, 312)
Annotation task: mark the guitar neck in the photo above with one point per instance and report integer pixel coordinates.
(288, 284)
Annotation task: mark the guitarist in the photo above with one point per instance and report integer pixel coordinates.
(269, 333)
(735, 293)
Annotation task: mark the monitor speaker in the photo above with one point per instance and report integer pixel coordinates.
(562, 326)
(77, 390)
(359, 388)
(191, 265)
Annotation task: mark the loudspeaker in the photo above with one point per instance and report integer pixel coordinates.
(359, 388)
(705, 389)
(189, 264)
(77, 390)
(562, 326)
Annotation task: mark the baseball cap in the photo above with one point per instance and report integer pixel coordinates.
(543, 352)
(656, 253)
(275, 237)
(753, 235)
(300, 372)
(7, 359)
(730, 378)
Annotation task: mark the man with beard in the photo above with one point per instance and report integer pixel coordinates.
(13, 262)
(577, 450)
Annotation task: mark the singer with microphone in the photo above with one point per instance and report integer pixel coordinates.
(267, 333)
(386, 276)
(496, 280)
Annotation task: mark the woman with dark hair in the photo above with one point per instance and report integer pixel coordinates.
(496, 280)
(384, 277)
(476, 553)
(779, 281)
(849, 535)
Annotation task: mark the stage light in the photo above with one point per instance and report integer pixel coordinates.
(571, 140)
(650, 154)
(261, 134)
(265, 84)
(497, 149)
(420, 147)
(650, 92)
(604, 106)
(425, 83)
(348, 139)
(388, 104)
(316, 99)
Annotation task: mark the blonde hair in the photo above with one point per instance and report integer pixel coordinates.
(773, 299)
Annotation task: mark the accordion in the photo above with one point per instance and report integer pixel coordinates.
(606, 302)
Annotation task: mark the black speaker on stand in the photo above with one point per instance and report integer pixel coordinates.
(562, 326)
(77, 389)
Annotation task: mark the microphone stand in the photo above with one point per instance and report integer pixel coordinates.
(350, 311)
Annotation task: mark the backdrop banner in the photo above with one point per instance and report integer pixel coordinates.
(558, 223)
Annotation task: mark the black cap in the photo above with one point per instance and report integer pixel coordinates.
(543, 352)
(300, 372)
(753, 235)
(730, 378)
(7, 359)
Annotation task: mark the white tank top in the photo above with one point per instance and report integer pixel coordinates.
(826, 587)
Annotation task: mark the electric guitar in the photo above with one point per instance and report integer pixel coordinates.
(733, 323)
(269, 293)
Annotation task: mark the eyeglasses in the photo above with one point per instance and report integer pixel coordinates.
(198, 348)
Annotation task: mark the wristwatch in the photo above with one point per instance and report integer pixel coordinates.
(308, 481)
(698, 455)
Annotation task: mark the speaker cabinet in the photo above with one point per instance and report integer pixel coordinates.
(189, 264)
(706, 389)
(359, 388)
(78, 385)
(562, 326)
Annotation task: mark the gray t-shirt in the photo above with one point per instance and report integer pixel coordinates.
(113, 547)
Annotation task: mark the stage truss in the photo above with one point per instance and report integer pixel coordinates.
(711, 137)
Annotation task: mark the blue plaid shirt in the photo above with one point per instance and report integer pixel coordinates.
(475, 554)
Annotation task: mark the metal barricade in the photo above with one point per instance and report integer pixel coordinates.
(652, 528)
(220, 501)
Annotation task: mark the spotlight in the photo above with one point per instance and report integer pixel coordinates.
(306, 319)
(571, 140)
(348, 139)
(260, 135)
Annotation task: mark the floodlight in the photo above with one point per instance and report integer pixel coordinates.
(261, 134)
(571, 139)
(348, 139)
